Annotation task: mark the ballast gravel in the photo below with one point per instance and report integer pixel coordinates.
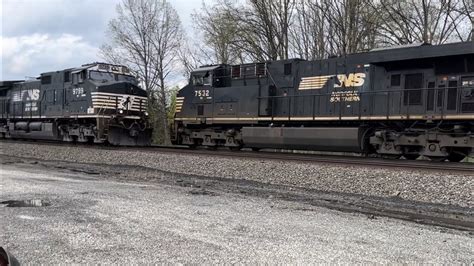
(413, 185)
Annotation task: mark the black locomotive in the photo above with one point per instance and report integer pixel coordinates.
(94, 103)
(402, 101)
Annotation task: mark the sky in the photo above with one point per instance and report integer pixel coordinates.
(46, 35)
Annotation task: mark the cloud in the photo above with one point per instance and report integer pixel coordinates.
(30, 55)
(87, 18)
(39, 36)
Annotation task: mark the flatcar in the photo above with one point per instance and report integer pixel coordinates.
(406, 101)
(98, 102)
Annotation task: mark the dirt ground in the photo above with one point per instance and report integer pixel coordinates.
(97, 214)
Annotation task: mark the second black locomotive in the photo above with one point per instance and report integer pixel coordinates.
(403, 101)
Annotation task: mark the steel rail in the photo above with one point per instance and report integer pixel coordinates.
(343, 160)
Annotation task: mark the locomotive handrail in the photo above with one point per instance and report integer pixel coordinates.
(405, 107)
(362, 92)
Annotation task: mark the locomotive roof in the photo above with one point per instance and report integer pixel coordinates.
(403, 52)
(7, 84)
(207, 68)
(400, 53)
(417, 44)
(95, 65)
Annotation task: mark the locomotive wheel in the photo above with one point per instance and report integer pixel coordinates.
(391, 156)
(456, 156)
(211, 147)
(411, 156)
(437, 158)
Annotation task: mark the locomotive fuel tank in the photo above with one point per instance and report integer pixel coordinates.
(29, 126)
(341, 139)
(21, 126)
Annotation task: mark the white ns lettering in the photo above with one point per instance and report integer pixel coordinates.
(353, 80)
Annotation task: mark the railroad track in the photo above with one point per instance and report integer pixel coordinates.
(345, 160)
(330, 159)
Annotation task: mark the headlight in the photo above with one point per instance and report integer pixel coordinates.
(146, 113)
(120, 111)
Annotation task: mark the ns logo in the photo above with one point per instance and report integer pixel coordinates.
(340, 80)
(26, 95)
(351, 80)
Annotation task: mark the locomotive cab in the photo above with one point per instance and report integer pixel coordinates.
(113, 89)
(214, 76)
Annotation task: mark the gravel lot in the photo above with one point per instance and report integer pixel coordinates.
(95, 219)
(411, 185)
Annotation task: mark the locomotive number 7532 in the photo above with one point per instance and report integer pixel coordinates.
(201, 93)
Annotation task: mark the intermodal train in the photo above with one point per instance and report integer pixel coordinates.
(95, 103)
(403, 101)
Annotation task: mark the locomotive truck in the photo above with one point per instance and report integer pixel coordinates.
(96, 102)
(405, 101)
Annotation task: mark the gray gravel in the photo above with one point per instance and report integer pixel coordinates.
(412, 185)
(96, 220)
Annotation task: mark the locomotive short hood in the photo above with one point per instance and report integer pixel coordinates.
(122, 88)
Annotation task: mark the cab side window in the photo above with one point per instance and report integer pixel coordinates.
(67, 76)
(197, 80)
(45, 80)
(79, 77)
(82, 76)
(207, 79)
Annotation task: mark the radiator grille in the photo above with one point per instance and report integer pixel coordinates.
(467, 108)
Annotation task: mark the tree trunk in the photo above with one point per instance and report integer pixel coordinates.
(164, 114)
(472, 29)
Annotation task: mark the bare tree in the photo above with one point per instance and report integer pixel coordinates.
(351, 25)
(166, 36)
(466, 9)
(410, 21)
(260, 28)
(310, 29)
(270, 26)
(145, 36)
(333, 27)
(191, 57)
(307, 36)
(218, 31)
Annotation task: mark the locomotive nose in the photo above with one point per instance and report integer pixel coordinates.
(121, 88)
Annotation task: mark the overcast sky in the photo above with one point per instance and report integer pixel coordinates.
(43, 35)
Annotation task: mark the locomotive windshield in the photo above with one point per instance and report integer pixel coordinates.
(107, 76)
(201, 78)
